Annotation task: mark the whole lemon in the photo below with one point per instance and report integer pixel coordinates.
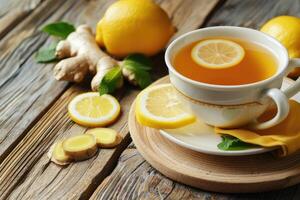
(134, 26)
(286, 29)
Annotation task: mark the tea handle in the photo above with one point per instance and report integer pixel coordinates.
(281, 99)
(292, 90)
(283, 108)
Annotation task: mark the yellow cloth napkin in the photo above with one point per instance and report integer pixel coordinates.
(285, 135)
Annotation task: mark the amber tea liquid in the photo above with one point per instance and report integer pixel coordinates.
(258, 64)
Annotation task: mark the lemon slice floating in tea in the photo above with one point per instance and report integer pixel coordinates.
(217, 53)
(159, 107)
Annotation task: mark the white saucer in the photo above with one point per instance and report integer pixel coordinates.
(202, 138)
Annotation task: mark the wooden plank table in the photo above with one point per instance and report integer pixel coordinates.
(33, 105)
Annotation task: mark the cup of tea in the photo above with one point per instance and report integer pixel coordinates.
(231, 97)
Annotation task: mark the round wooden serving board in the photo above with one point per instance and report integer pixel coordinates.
(226, 174)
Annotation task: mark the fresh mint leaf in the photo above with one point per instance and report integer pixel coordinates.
(111, 81)
(138, 61)
(59, 29)
(46, 54)
(230, 143)
(142, 77)
(103, 88)
(140, 66)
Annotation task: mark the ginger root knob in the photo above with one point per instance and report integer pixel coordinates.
(81, 55)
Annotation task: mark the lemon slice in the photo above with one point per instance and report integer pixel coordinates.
(92, 110)
(217, 53)
(159, 107)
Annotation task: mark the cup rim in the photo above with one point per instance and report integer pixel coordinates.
(280, 71)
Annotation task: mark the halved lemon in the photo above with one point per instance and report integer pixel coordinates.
(92, 110)
(158, 107)
(217, 53)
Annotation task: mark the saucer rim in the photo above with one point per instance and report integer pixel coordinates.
(246, 152)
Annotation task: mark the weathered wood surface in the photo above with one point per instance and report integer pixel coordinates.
(13, 12)
(134, 178)
(33, 105)
(252, 13)
(26, 88)
(25, 171)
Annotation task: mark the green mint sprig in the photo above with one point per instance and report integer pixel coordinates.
(111, 81)
(57, 29)
(140, 66)
(230, 143)
(46, 54)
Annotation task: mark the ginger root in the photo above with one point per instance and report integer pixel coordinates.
(81, 55)
(80, 147)
(105, 137)
(57, 154)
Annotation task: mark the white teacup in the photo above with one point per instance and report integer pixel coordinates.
(235, 105)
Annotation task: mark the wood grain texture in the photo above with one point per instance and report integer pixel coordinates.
(26, 88)
(134, 178)
(189, 14)
(214, 173)
(252, 13)
(26, 172)
(13, 12)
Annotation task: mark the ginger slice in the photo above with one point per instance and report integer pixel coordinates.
(105, 137)
(57, 155)
(80, 147)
